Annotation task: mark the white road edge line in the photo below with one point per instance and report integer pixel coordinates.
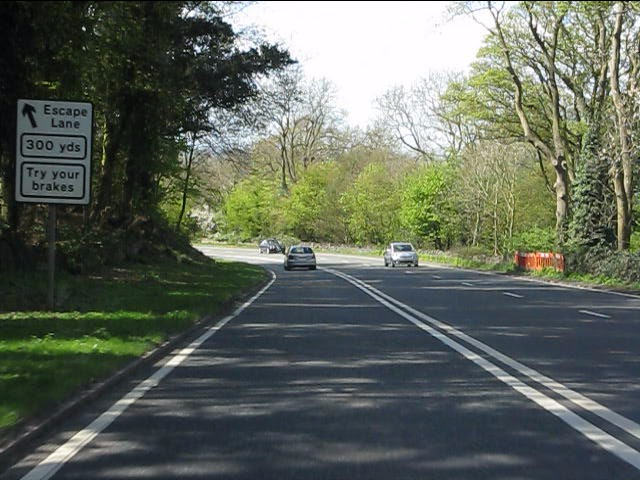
(514, 295)
(54, 462)
(594, 314)
(592, 432)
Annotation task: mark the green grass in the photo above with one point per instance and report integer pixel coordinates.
(101, 323)
(547, 273)
(462, 262)
(588, 280)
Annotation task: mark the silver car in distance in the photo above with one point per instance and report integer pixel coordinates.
(400, 253)
(300, 256)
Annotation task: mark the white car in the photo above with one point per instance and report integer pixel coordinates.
(400, 253)
(299, 256)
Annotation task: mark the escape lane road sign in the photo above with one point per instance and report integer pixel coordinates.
(53, 151)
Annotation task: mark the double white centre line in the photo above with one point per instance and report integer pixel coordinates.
(444, 332)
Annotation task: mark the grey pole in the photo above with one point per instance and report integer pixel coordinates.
(51, 236)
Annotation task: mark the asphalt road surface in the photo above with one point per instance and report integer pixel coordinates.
(356, 371)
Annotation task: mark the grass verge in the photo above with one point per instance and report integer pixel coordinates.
(101, 323)
(551, 274)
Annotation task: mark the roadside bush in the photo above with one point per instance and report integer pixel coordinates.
(16, 255)
(477, 254)
(582, 260)
(468, 251)
(535, 239)
(624, 266)
(635, 242)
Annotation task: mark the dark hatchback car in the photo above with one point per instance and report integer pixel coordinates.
(270, 245)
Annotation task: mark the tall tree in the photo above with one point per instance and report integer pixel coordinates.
(41, 57)
(487, 192)
(592, 223)
(624, 64)
(156, 95)
(282, 103)
(420, 120)
(427, 209)
(577, 53)
(372, 205)
(153, 71)
(300, 118)
(544, 27)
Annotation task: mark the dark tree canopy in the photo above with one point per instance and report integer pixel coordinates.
(153, 71)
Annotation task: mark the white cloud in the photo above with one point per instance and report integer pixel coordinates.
(365, 48)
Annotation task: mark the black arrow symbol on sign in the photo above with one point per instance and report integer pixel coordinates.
(30, 110)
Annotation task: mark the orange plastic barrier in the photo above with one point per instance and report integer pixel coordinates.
(539, 260)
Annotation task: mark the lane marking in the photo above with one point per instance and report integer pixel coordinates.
(582, 401)
(437, 277)
(592, 432)
(514, 295)
(215, 251)
(595, 314)
(467, 284)
(319, 305)
(55, 461)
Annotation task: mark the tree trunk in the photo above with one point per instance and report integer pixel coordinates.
(7, 167)
(556, 153)
(283, 165)
(623, 216)
(622, 169)
(185, 189)
(476, 230)
(9, 195)
(495, 223)
(561, 187)
(109, 149)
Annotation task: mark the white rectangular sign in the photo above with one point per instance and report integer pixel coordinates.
(53, 151)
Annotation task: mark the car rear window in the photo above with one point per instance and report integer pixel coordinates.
(403, 247)
(301, 250)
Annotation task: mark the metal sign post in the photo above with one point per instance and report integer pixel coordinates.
(53, 160)
(51, 240)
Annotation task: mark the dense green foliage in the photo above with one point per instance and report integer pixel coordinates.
(535, 239)
(592, 225)
(251, 208)
(153, 71)
(310, 211)
(530, 151)
(372, 205)
(533, 149)
(426, 211)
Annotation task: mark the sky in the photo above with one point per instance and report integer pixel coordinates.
(366, 48)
